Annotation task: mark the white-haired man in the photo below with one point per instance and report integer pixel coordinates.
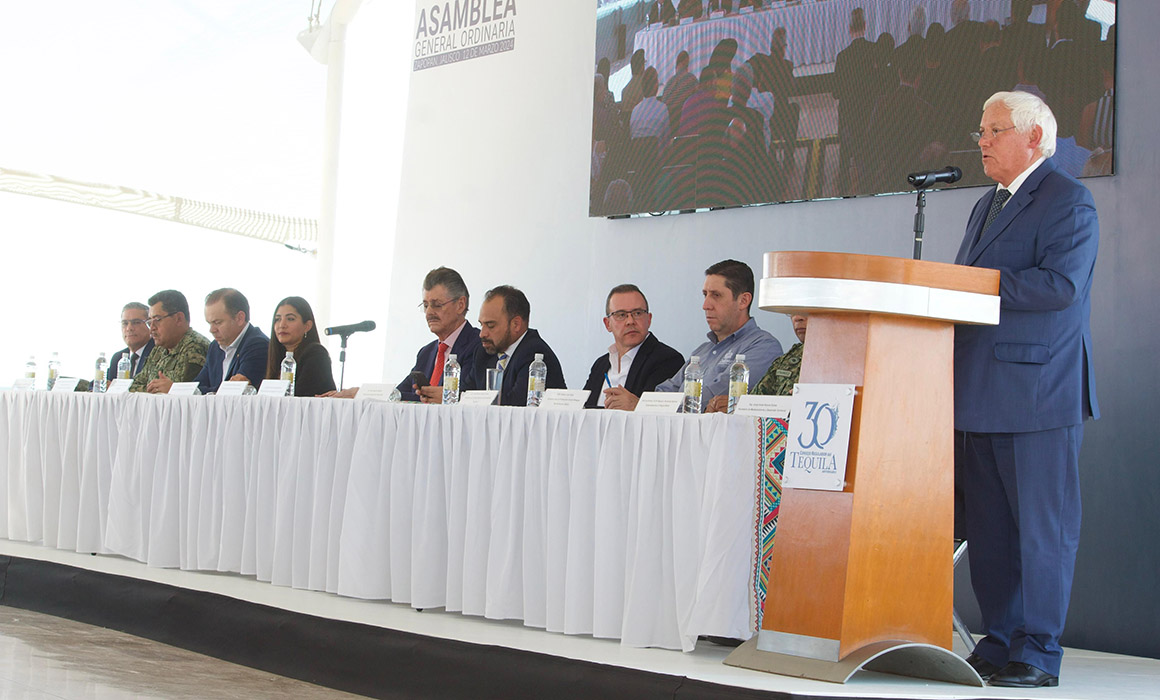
(1022, 391)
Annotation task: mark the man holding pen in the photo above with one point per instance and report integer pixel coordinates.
(636, 361)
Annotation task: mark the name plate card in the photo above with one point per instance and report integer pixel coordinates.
(819, 436)
(232, 388)
(23, 384)
(184, 389)
(763, 406)
(660, 402)
(274, 387)
(119, 386)
(481, 397)
(564, 399)
(66, 384)
(374, 392)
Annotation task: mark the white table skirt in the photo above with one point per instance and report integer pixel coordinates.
(815, 31)
(606, 523)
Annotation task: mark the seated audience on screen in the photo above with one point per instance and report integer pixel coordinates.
(510, 346)
(651, 116)
(728, 294)
(633, 92)
(678, 88)
(178, 352)
(293, 330)
(137, 341)
(636, 361)
(238, 353)
(783, 372)
(445, 303)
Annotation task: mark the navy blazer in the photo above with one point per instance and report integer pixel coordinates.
(654, 363)
(1033, 371)
(514, 391)
(250, 360)
(145, 350)
(465, 349)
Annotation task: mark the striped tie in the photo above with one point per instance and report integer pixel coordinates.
(501, 364)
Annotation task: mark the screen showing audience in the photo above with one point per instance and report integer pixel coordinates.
(702, 104)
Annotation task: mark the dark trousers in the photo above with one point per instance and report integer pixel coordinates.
(1022, 519)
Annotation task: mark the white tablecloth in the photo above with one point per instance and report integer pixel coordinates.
(598, 522)
(815, 31)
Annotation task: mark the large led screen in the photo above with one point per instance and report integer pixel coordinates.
(720, 103)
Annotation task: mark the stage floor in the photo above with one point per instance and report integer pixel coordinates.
(1085, 674)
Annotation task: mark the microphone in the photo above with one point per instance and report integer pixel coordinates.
(948, 175)
(351, 328)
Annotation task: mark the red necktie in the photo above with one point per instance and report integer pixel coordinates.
(437, 373)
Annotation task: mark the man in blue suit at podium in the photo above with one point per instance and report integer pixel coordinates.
(1022, 391)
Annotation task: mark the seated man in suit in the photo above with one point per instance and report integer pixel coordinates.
(728, 293)
(510, 346)
(445, 303)
(239, 353)
(179, 353)
(137, 341)
(636, 361)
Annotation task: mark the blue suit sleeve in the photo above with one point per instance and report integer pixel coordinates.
(202, 379)
(1065, 257)
(252, 363)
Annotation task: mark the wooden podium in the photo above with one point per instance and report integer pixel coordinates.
(863, 577)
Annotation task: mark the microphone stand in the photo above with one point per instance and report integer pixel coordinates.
(919, 222)
(342, 361)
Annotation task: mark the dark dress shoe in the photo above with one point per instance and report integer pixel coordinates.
(984, 668)
(1020, 675)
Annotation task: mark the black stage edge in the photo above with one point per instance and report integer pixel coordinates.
(356, 658)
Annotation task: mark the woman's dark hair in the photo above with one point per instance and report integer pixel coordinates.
(277, 351)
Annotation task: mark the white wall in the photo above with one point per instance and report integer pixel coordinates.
(495, 185)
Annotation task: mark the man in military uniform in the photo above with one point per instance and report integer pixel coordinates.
(179, 351)
(783, 372)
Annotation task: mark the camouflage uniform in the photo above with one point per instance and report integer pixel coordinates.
(181, 364)
(781, 376)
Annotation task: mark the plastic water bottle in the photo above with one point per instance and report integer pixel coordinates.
(53, 370)
(694, 377)
(100, 377)
(125, 366)
(738, 381)
(30, 371)
(395, 396)
(451, 374)
(289, 370)
(537, 380)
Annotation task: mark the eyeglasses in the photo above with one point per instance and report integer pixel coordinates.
(978, 134)
(153, 321)
(423, 306)
(621, 316)
(133, 322)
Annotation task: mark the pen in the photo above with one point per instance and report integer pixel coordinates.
(607, 380)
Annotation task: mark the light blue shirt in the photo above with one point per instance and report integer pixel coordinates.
(759, 347)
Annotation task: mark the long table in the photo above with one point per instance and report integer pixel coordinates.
(815, 31)
(613, 524)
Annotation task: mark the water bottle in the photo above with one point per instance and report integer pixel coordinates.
(738, 381)
(53, 370)
(30, 371)
(451, 374)
(395, 396)
(289, 369)
(99, 377)
(537, 380)
(694, 376)
(125, 366)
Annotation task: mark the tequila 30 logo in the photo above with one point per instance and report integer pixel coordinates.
(824, 419)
